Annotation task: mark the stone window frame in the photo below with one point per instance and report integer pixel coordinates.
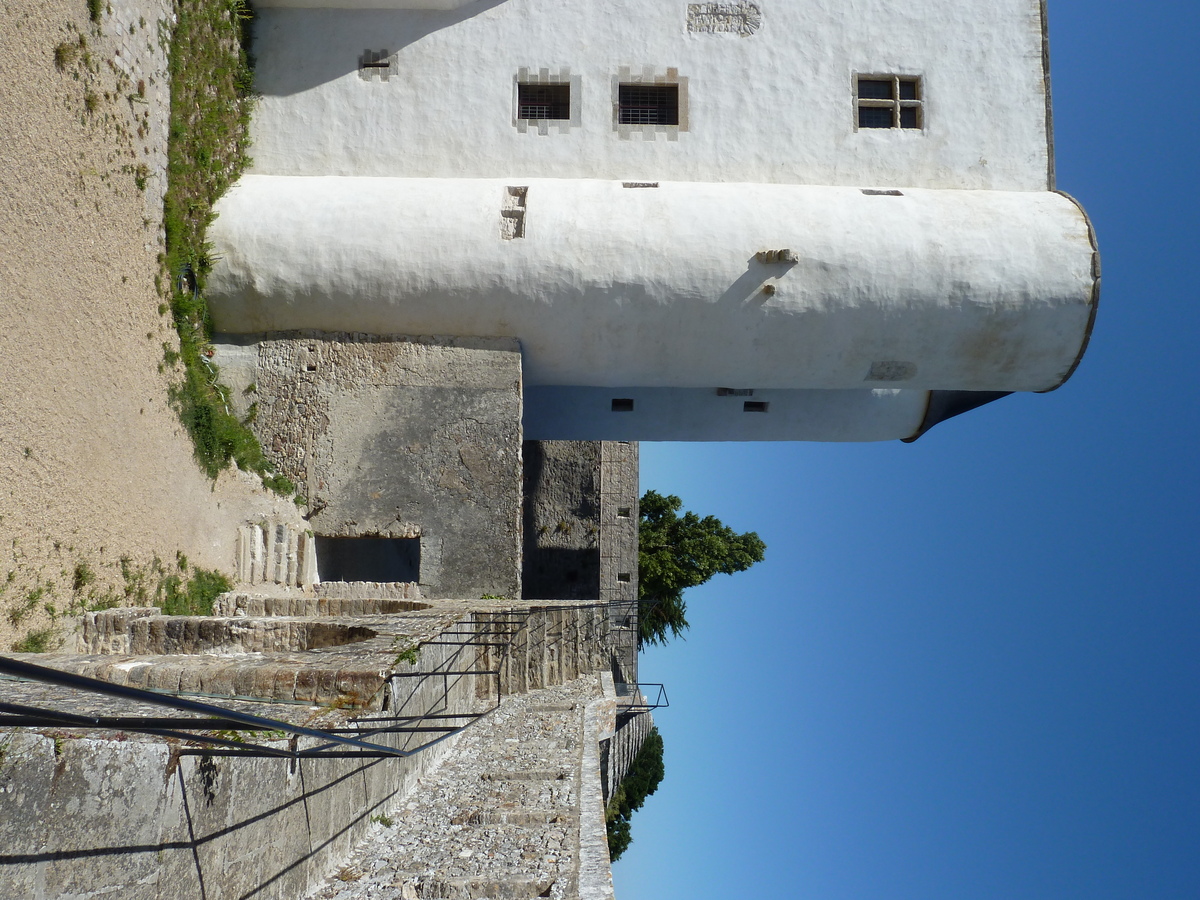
(370, 66)
(896, 103)
(530, 75)
(650, 75)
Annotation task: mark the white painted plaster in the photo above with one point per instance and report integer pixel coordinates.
(659, 287)
(364, 4)
(700, 414)
(772, 107)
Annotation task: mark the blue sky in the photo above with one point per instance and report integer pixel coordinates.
(970, 666)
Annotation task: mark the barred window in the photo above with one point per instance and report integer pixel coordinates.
(648, 104)
(543, 101)
(889, 101)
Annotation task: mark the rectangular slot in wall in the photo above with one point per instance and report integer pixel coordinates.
(368, 559)
(622, 404)
(512, 212)
(754, 406)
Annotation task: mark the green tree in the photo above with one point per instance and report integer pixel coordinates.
(644, 775)
(678, 552)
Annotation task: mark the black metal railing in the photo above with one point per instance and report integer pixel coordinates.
(632, 697)
(358, 739)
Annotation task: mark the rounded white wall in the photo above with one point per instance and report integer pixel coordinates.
(660, 287)
(567, 413)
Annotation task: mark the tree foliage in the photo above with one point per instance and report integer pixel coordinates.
(642, 780)
(678, 552)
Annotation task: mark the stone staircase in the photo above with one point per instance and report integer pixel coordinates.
(498, 818)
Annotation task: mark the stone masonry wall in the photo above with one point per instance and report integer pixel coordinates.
(86, 814)
(580, 520)
(619, 495)
(561, 520)
(397, 437)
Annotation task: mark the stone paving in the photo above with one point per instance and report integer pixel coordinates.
(498, 818)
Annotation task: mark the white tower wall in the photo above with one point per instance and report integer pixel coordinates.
(660, 287)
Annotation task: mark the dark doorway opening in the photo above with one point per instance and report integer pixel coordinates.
(368, 559)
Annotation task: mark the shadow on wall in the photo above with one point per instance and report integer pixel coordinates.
(191, 857)
(337, 39)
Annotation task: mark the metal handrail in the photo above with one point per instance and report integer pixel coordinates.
(635, 691)
(216, 718)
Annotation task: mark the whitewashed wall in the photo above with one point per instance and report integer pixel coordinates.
(660, 287)
(701, 414)
(775, 106)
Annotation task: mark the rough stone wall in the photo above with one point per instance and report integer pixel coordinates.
(86, 815)
(399, 437)
(620, 750)
(561, 519)
(619, 495)
(118, 815)
(581, 531)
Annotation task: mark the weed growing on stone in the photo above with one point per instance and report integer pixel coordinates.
(29, 602)
(385, 821)
(40, 640)
(409, 654)
(82, 577)
(65, 54)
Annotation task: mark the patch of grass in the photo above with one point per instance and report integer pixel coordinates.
(96, 9)
(91, 101)
(82, 577)
(385, 821)
(40, 640)
(194, 596)
(29, 602)
(65, 54)
(211, 98)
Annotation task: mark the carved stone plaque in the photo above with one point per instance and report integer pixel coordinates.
(742, 19)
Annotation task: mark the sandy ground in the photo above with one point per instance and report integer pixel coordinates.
(94, 464)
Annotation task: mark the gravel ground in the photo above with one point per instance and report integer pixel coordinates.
(94, 465)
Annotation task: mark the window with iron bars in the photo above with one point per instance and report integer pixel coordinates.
(543, 101)
(889, 101)
(648, 104)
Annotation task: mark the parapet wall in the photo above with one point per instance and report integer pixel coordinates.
(113, 814)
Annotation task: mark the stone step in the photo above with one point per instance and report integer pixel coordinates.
(512, 886)
(522, 817)
(238, 603)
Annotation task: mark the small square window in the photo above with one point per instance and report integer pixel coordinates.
(623, 512)
(543, 101)
(888, 101)
(623, 576)
(622, 404)
(648, 104)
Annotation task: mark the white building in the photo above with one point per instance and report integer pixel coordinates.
(778, 220)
